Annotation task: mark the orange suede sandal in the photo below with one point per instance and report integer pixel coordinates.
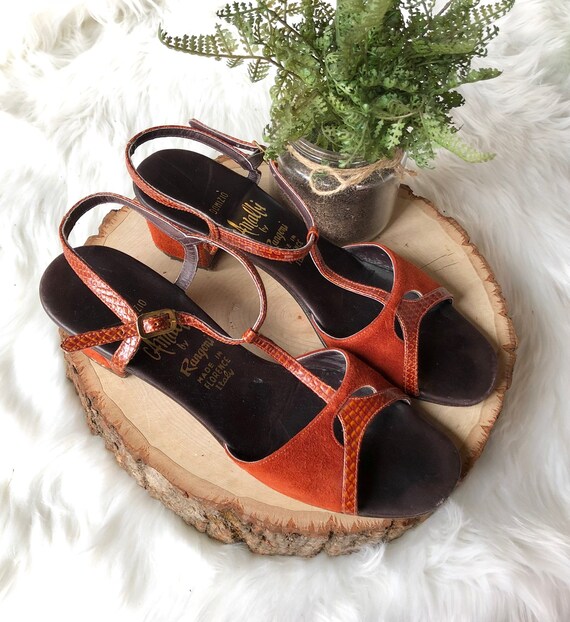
(363, 298)
(325, 428)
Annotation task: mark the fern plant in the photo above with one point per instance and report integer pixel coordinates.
(364, 79)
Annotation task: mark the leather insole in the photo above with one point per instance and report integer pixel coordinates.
(457, 365)
(252, 405)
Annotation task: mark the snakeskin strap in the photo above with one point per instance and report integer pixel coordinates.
(233, 148)
(355, 416)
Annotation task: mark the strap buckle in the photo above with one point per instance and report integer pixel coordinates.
(165, 318)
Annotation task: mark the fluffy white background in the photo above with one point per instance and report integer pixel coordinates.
(79, 539)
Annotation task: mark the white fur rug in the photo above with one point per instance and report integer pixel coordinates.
(79, 539)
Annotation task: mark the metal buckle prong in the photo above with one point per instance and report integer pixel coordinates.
(169, 315)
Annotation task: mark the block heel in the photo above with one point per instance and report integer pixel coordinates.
(169, 246)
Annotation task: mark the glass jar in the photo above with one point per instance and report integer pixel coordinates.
(348, 205)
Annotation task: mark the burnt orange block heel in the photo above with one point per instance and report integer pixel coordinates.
(172, 248)
(165, 243)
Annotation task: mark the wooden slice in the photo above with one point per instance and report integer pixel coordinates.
(177, 460)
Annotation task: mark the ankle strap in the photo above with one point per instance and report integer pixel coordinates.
(249, 156)
(228, 145)
(136, 327)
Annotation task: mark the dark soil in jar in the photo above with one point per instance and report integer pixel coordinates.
(356, 213)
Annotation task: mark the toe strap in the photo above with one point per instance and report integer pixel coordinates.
(410, 314)
(313, 466)
(355, 416)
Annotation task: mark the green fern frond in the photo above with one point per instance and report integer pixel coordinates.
(354, 21)
(234, 62)
(394, 134)
(235, 9)
(475, 75)
(225, 40)
(446, 137)
(257, 70)
(486, 14)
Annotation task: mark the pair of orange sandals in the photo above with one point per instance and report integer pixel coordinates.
(333, 428)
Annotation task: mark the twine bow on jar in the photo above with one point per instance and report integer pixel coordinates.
(320, 174)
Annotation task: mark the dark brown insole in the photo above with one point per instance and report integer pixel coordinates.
(457, 365)
(252, 405)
